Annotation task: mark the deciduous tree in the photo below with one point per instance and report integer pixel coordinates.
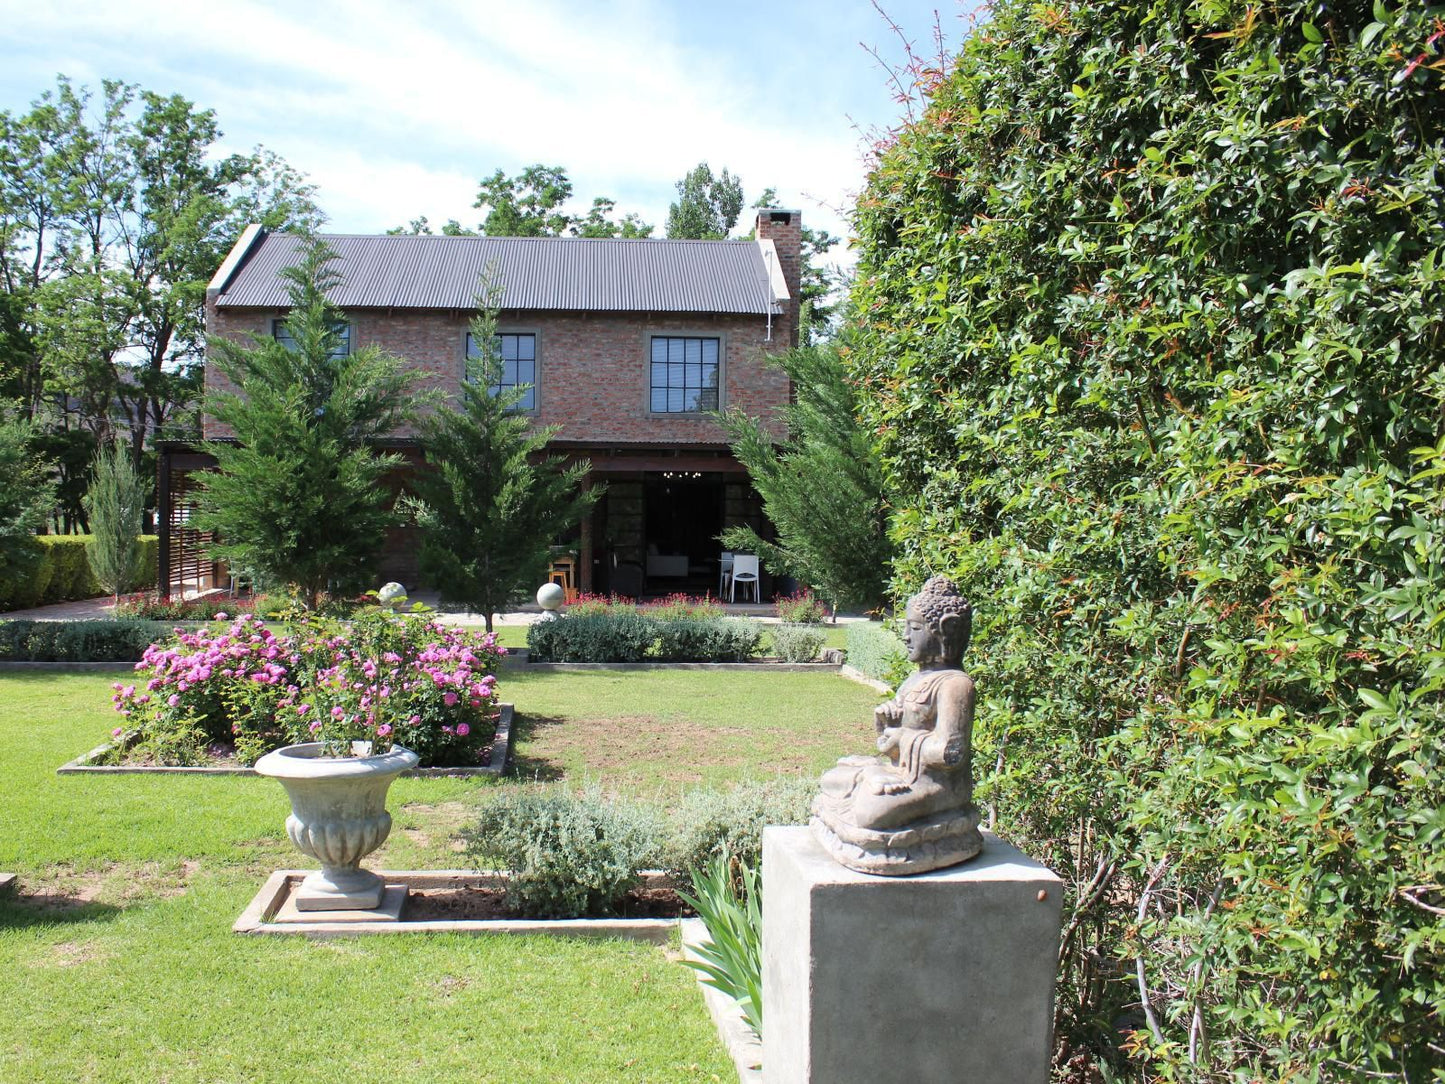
(114, 213)
(26, 493)
(707, 206)
(532, 204)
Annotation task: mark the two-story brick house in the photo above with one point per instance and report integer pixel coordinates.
(628, 345)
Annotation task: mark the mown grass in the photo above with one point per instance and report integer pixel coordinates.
(657, 731)
(119, 962)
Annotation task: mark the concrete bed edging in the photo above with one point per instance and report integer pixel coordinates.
(25, 664)
(257, 918)
(500, 760)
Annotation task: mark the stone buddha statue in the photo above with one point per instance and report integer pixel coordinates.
(912, 811)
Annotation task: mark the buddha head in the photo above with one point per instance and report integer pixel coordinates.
(937, 624)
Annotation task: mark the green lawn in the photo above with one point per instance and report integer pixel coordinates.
(118, 960)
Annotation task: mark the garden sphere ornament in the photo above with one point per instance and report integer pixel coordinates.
(550, 597)
(391, 595)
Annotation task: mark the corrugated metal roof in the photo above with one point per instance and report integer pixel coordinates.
(534, 273)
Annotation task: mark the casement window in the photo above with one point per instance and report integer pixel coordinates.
(282, 334)
(518, 354)
(685, 374)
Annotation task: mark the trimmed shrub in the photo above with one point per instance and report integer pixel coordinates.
(718, 639)
(600, 637)
(123, 640)
(620, 635)
(709, 824)
(797, 643)
(21, 592)
(570, 855)
(875, 649)
(63, 574)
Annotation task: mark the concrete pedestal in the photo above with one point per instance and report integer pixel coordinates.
(939, 977)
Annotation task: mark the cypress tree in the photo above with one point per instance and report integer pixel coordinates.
(491, 502)
(822, 489)
(299, 498)
(114, 504)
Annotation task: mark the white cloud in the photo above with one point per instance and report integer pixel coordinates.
(397, 110)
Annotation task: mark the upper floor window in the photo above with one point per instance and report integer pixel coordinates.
(342, 347)
(518, 354)
(684, 375)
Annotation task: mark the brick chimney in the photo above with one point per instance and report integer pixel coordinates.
(785, 230)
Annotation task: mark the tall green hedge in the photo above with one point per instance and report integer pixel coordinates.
(1152, 340)
(63, 573)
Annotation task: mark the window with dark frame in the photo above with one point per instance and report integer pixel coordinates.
(684, 374)
(518, 351)
(282, 334)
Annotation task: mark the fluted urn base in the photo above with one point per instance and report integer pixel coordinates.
(338, 817)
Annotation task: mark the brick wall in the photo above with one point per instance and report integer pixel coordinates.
(592, 368)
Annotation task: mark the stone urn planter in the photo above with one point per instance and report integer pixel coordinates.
(338, 817)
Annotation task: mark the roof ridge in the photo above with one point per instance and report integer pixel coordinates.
(508, 237)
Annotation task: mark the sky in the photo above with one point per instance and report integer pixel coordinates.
(395, 110)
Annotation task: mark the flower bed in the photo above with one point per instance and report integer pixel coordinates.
(380, 678)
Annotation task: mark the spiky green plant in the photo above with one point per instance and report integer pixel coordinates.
(732, 957)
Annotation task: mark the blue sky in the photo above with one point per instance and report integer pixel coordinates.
(396, 110)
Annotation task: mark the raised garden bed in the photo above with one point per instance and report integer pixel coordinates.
(459, 901)
(497, 762)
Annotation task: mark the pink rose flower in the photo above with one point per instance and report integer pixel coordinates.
(463, 730)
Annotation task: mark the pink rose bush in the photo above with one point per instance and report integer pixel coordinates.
(380, 679)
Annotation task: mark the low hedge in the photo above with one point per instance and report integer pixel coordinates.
(714, 640)
(77, 641)
(634, 637)
(63, 572)
(875, 650)
(797, 643)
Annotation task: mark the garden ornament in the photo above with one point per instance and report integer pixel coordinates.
(912, 810)
(550, 597)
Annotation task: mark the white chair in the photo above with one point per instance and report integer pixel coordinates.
(725, 574)
(745, 570)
